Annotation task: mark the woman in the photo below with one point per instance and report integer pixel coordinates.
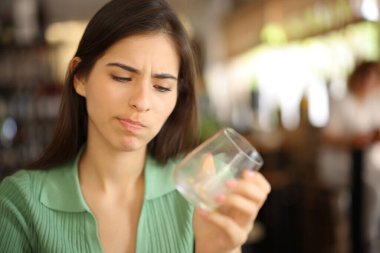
(104, 184)
(353, 126)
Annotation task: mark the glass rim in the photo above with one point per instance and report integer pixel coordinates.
(229, 131)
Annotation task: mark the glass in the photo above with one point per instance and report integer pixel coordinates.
(200, 177)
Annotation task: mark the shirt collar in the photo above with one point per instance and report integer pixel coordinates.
(158, 178)
(61, 189)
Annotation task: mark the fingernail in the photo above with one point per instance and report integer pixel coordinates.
(249, 173)
(220, 198)
(231, 183)
(202, 212)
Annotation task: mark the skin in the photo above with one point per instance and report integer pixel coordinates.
(136, 81)
(145, 92)
(227, 228)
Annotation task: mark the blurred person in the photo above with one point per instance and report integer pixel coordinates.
(353, 125)
(128, 112)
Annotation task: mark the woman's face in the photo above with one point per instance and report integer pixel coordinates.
(131, 91)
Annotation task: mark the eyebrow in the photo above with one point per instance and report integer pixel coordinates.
(134, 70)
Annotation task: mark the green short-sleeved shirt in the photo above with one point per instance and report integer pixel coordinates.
(44, 211)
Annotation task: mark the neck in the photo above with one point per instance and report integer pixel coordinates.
(109, 170)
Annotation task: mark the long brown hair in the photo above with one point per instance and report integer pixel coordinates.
(114, 21)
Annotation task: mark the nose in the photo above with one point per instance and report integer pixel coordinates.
(140, 99)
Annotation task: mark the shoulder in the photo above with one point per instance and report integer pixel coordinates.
(19, 195)
(22, 185)
(23, 179)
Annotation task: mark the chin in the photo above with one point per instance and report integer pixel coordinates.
(131, 145)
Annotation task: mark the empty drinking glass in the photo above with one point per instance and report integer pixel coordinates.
(202, 174)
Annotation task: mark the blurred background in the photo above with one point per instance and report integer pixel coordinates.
(269, 69)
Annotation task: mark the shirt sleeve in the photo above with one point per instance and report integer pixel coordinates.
(13, 225)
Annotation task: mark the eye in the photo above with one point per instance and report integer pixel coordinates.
(121, 78)
(161, 88)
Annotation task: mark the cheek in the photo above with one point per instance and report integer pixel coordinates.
(100, 99)
(102, 90)
(167, 108)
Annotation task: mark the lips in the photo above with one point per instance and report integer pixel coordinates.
(131, 124)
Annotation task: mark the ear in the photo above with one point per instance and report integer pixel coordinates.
(78, 81)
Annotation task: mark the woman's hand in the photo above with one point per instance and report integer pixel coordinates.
(227, 228)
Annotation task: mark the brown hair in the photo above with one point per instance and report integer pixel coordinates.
(361, 73)
(114, 21)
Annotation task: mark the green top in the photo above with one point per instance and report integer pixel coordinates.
(44, 211)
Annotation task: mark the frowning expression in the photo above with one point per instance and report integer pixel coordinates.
(131, 91)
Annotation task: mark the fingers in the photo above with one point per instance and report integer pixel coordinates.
(245, 199)
(257, 178)
(242, 210)
(253, 186)
(238, 209)
(208, 164)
